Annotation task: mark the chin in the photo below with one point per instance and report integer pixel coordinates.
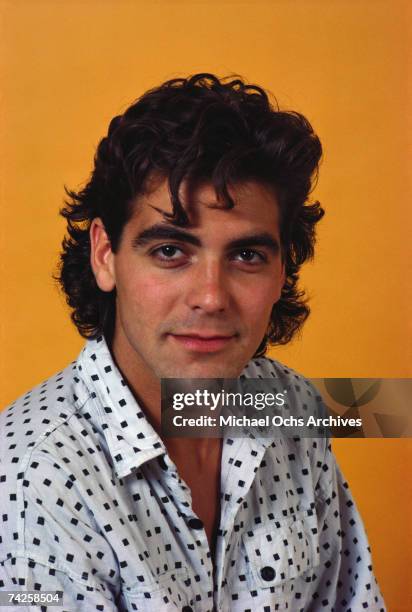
(221, 370)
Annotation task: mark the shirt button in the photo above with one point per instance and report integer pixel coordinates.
(162, 462)
(187, 609)
(267, 573)
(195, 523)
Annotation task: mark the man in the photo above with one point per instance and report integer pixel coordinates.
(181, 261)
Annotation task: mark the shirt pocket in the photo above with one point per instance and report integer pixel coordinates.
(164, 593)
(280, 554)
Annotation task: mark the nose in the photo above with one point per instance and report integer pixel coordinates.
(209, 288)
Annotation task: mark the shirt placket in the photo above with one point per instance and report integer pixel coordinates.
(235, 485)
(197, 543)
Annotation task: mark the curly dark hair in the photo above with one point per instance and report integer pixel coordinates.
(199, 128)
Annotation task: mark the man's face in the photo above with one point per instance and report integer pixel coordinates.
(193, 301)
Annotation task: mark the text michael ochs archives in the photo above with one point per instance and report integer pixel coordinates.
(203, 399)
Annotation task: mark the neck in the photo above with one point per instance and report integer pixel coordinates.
(146, 388)
(144, 385)
(198, 451)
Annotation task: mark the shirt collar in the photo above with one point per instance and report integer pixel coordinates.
(130, 438)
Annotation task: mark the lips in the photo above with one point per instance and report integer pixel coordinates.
(203, 343)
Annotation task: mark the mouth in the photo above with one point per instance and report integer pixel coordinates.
(203, 343)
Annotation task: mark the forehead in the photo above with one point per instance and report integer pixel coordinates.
(256, 207)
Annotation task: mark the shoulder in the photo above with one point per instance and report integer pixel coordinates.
(302, 399)
(26, 423)
(33, 430)
(38, 412)
(295, 383)
(262, 367)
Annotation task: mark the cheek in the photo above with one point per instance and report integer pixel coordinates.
(145, 294)
(258, 304)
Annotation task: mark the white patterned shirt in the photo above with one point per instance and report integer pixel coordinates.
(92, 505)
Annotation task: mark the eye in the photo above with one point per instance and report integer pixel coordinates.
(250, 256)
(168, 254)
(168, 251)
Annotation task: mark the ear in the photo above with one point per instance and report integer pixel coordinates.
(101, 256)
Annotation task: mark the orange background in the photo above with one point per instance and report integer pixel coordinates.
(68, 67)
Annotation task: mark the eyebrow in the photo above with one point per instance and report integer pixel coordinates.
(162, 231)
